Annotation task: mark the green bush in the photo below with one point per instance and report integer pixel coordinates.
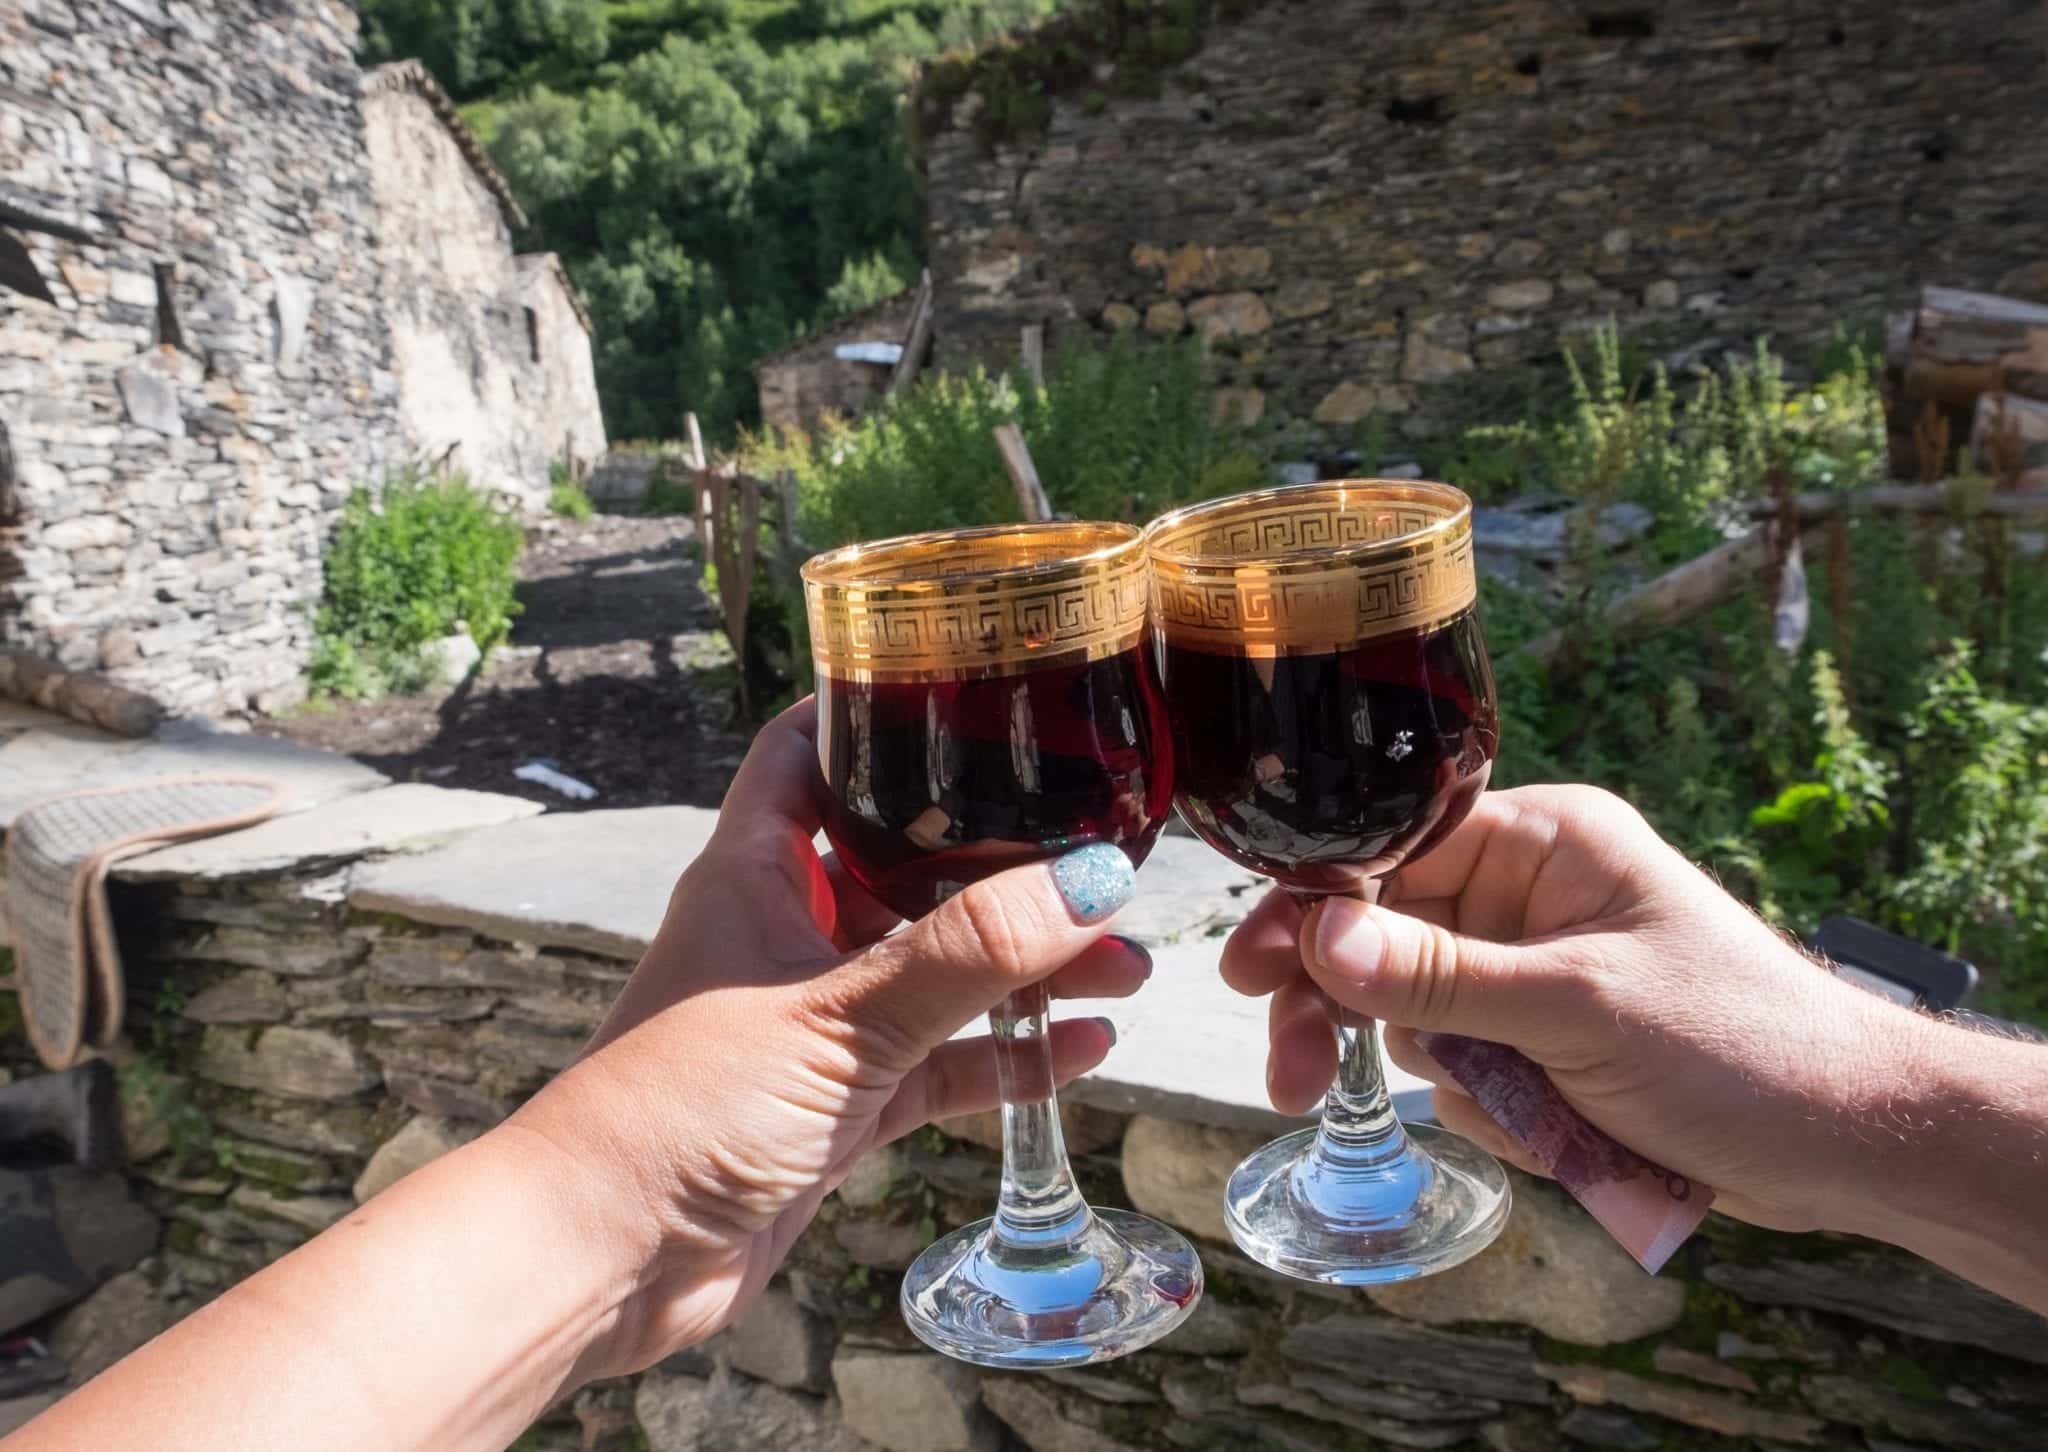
(566, 497)
(408, 564)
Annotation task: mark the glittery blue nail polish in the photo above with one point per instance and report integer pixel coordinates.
(1095, 880)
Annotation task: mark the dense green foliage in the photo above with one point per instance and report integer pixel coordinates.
(719, 177)
(566, 496)
(1895, 766)
(410, 563)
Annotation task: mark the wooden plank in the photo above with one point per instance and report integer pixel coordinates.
(2009, 441)
(1033, 350)
(916, 339)
(1903, 499)
(1023, 473)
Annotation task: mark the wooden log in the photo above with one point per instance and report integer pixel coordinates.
(916, 338)
(1695, 586)
(1702, 583)
(79, 695)
(2009, 440)
(1906, 499)
(1023, 473)
(1033, 351)
(1969, 343)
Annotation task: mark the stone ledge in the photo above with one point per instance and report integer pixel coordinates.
(597, 881)
(408, 816)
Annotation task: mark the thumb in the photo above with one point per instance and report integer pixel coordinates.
(994, 937)
(1406, 971)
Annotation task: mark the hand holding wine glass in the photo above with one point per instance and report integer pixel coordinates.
(1555, 920)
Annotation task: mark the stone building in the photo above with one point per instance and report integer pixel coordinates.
(1356, 200)
(492, 350)
(809, 378)
(216, 317)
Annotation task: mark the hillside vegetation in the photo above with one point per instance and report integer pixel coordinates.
(720, 176)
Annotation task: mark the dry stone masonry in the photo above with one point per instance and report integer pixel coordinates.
(1356, 201)
(221, 309)
(328, 1001)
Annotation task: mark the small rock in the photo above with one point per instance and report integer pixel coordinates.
(297, 1063)
(1711, 1411)
(1101, 1387)
(878, 1243)
(419, 1142)
(1731, 1347)
(1237, 407)
(120, 1316)
(1879, 1409)
(150, 397)
(1038, 1419)
(1518, 254)
(1661, 294)
(730, 1413)
(1552, 1267)
(873, 1177)
(1423, 361)
(1596, 1428)
(311, 1213)
(1380, 1429)
(1696, 1366)
(1302, 298)
(1191, 269)
(1347, 403)
(1147, 258)
(454, 657)
(1165, 319)
(1119, 317)
(1230, 315)
(1177, 1171)
(68, 1230)
(1244, 265)
(251, 997)
(1298, 472)
(1215, 1329)
(778, 1341)
(913, 1403)
(1532, 292)
(1616, 242)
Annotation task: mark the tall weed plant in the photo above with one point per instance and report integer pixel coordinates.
(410, 562)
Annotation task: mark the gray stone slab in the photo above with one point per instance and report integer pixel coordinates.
(40, 764)
(1188, 891)
(1189, 1048)
(598, 881)
(406, 817)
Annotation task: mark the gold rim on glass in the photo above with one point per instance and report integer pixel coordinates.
(1311, 567)
(955, 604)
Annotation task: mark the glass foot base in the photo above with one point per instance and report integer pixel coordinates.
(1441, 1202)
(1121, 1284)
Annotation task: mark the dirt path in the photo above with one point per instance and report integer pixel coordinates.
(616, 675)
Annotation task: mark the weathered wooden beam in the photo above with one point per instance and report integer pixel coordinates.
(1023, 473)
(916, 339)
(1909, 499)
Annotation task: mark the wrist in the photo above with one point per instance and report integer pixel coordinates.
(1950, 1131)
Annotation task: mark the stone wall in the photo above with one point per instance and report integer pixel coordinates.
(203, 375)
(1357, 200)
(806, 381)
(317, 1026)
(491, 350)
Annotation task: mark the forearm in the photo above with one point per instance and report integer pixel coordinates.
(447, 1313)
(1959, 1168)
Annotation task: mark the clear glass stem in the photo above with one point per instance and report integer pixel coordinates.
(1359, 1132)
(1040, 1207)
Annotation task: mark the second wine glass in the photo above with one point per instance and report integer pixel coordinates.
(1333, 718)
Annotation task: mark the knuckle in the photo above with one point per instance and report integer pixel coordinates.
(1437, 976)
(996, 935)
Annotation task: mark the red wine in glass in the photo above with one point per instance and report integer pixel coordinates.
(986, 700)
(1325, 769)
(1334, 719)
(932, 785)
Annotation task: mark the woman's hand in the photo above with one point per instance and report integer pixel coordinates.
(1556, 921)
(771, 1035)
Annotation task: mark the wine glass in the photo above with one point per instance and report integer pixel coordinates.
(985, 700)
(1333, 717)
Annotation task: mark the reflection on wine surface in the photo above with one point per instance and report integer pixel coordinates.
(932, 785)
(1325, 768)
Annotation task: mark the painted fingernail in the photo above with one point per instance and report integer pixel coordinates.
(1136, 949)
(1348, 941)
(1110, 1029)
(1095, 880)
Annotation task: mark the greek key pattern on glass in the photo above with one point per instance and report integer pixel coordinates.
(997, 626)
(1282, 528)
(1232, 608)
